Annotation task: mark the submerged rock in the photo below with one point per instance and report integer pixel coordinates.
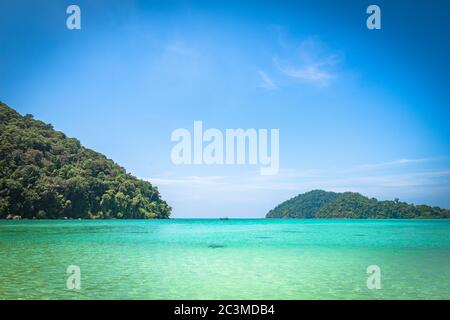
(216, 246)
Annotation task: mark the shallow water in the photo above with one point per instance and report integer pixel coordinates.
(225, 259)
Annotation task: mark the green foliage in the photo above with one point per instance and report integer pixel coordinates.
(322, 204)
(44, 174)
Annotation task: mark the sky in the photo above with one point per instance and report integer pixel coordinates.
(357, 109)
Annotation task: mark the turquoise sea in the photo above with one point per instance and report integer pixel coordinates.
(225, 259)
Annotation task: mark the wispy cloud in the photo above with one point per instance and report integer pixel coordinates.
(312, 64)
(256, 194)
(367, 177)
(311, 73)
(181, 49)
(266, 81)
(189, 180)
(393, 163)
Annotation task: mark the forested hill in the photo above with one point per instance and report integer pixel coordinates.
(323, 204)
(46, 175)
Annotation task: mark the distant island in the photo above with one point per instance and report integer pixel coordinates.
(46, 175)
(323, 204)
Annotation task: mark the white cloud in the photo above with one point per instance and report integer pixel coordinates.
(179, 48)
(189, 180)
(309, 73)
(266, 81)
(312, 63)
(395, 162)
(250, 194)
(386, 164)
(357, 178)
(328, 180)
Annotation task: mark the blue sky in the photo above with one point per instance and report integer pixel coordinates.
(357, 109)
